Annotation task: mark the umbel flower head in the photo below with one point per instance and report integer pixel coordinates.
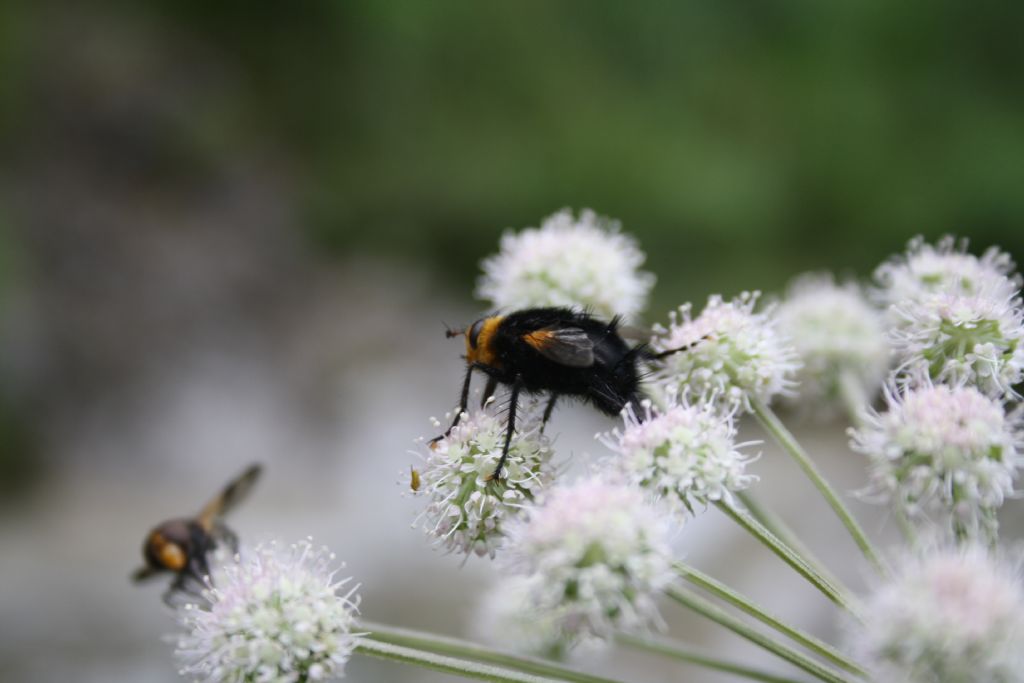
(596, 554)
(945, 449)
(945, 268)
(732, 354)
(580, 262)
(976, 338)
(273, 615)
(952, 616)
(506, 619)
(466, 510)
(685, 454)
(839, 337)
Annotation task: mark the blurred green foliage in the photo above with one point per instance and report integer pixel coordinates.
(742, 141)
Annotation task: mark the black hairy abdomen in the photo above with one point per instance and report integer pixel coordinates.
(609, 384)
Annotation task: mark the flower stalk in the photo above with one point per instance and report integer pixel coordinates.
(459, 667)
(854, 397)
(461, 649)
(744, 604)
(767, 417)
(834, 593)
(690, 655)
(777, 526)
(705, 608)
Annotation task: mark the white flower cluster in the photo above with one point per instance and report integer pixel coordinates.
(274, 615)
(976, 338)
(945, 449)
(685, 454)
(955, 317)
(839, 336)
(505, 618)
(467, 510)
(580, 262)
(945, 268)
(730, 353)
(598, 555)
(954, 616)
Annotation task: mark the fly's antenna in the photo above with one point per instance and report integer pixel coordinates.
(449, 332)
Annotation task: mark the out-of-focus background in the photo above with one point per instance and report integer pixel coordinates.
(230, 232)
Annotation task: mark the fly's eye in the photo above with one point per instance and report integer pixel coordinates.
(474, 332)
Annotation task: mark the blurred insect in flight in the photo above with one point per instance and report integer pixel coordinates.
(182, 546)
(553, 351)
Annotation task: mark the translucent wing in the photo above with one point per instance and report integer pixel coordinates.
(569, 346)
(232, 494)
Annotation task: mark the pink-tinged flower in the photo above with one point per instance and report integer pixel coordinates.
(580, 262)
(839, 337)
(685, 454)
(732, 353)
(946, 450)
(951, 616)
(275, 614)
(945, 268)
(596, 555)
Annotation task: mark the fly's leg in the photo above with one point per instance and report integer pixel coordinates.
(463, 404)
(517, 386)
(548, 410)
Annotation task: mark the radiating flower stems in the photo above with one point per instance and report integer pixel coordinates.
(834, 593)
(789, 443)
(704, 607)
(454, 647)
(459, 667)
(741, 602)
(777, 526)
(696, 657)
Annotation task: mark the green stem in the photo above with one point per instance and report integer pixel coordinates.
(786, 554)
(444, 645)
(707, 609)
(853, 396)
(459, 667)
(906, 527)
(777, 526)
(741, 602)
(691, 656)
(778, 430)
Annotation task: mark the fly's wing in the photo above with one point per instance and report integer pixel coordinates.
(232, 494)
(568, 346)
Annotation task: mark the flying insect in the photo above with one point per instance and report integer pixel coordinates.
(553, 351)
(182, 546)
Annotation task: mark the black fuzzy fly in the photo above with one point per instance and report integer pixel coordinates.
(553, 351)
